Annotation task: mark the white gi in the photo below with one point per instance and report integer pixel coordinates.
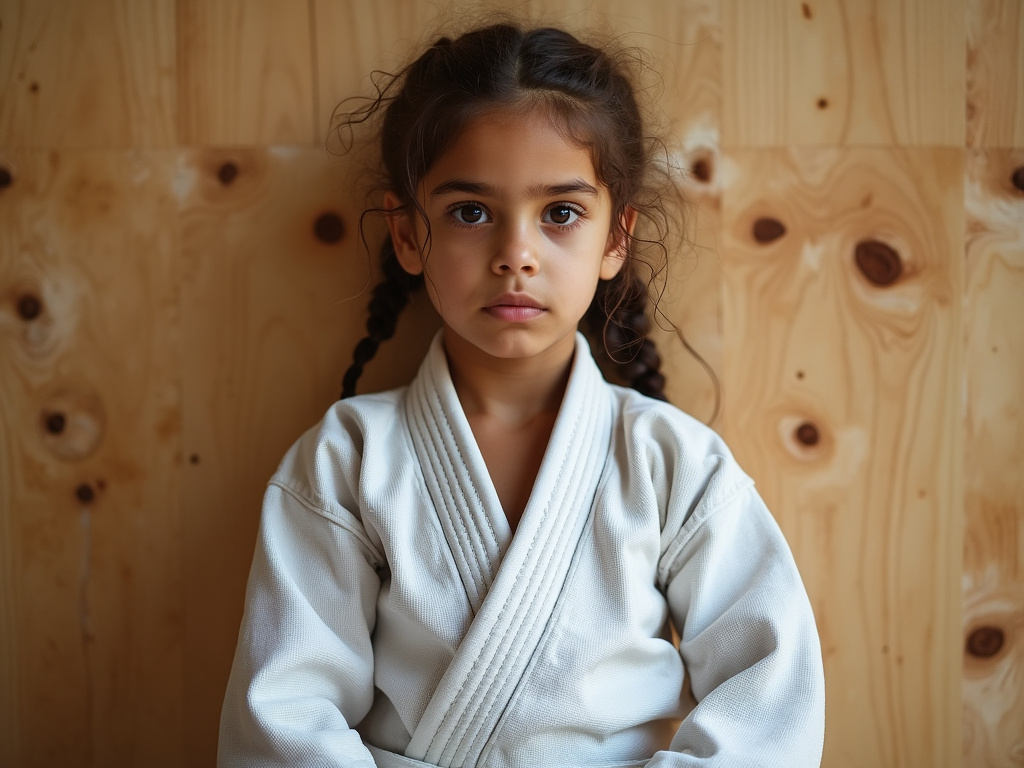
(392, 618)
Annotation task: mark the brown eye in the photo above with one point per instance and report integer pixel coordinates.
(469, 214)
(562, 214)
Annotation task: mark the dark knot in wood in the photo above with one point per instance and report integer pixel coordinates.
(701, 169)
(227, 173)
(985, 642)
(329, 227)
(767, 229)
(85, 493)
(1017, 179)
(878, 262)
(55, 422)
(808, 434)
(6, 179)
(29, 307)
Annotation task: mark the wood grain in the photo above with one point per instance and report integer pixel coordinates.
(993, 583)
(245, 73)
(680, 41)
(691, 302)
(843, 378)
(995, 73)
(89, 402)
(842, 394)
(89, 74)
(843, 73)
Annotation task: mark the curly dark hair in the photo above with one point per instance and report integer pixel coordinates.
(591, 97)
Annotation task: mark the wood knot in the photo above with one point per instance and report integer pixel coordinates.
(701, 169)
(1017, 178)
(227, 173)
(985, 642)
(85, 493)
(822, 103)
(804, 437)
(54, 423)
(878, 262)
(806, 8)
(29, 307)
(807, 434)
(6, 179)
(73, 424)
(329, 227)
(767, 229)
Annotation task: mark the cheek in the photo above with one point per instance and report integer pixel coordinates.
(584, 259)
(449, 281)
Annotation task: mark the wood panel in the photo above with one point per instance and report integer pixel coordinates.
(843, 73)
(91, 661)
(995, 73)
(692, 299)
(993, 583)
(245, 73)
(684, 44)
(842, 390)
(841, 318)
(87, 74)
(681, 40)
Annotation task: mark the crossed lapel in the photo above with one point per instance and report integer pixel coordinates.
(512, 584)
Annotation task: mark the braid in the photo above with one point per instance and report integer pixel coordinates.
(618, 318)
(389, 298)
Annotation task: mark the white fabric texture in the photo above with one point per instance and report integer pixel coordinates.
(392, 619)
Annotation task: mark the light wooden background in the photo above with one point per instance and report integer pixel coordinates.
(170, 321)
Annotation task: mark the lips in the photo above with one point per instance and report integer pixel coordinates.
(515, 308)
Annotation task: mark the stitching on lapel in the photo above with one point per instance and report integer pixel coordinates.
(522, 594)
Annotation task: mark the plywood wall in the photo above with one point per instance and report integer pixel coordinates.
(180, 288)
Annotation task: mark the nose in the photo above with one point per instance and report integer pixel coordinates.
(516, 252)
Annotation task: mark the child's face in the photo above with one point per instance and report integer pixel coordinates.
(520, 234)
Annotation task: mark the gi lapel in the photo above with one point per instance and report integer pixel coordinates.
(457, 480)
(520, 596)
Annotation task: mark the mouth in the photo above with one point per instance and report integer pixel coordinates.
(515, 308)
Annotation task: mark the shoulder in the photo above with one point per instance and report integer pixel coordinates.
(325, 465)
(654, 428)
(685, 462)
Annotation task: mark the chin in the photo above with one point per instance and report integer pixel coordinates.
(511, 343)
(523, 345)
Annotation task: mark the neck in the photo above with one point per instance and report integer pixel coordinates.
(513, 391)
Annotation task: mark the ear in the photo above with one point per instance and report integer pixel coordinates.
(403, 234)
(618, 245)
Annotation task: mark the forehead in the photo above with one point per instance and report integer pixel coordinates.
(514, 150)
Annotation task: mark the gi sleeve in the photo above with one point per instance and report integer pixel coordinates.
(747, 638)
(303, 668)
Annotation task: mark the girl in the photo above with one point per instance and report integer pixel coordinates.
(484, 568)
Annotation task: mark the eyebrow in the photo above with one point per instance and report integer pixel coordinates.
(487, 190)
